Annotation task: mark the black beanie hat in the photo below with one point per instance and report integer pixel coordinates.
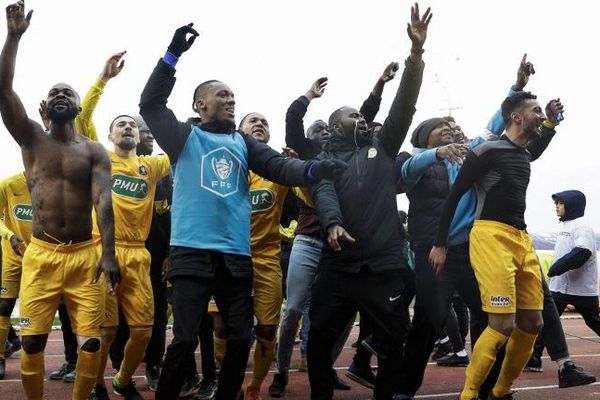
(421, 134)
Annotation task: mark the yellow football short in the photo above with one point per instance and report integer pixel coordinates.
(134, 293)
(11, 280)
(53, 270)
(267, 287)
(506, 267)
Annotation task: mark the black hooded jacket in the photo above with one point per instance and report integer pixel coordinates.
(363, 198)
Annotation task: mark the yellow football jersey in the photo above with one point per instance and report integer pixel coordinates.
(266, 199)
(17, 213)
(133, 185)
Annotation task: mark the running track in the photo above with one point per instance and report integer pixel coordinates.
(440, 382)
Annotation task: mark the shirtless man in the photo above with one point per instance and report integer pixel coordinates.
(67, 174)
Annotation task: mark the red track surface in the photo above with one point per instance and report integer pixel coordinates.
(440, 382)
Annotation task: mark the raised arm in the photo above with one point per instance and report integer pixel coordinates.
(538, 146)
(402, 110)
(269, 164)
(294, 121)
(102, 199)
(15, 118)
(170, 134)
(84, 121)
(525, 70)
(370, 106)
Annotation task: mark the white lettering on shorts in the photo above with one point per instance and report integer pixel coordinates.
(499, 301)
(25, 322)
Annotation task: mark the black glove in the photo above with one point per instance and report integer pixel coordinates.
(327, 169)
(180, 43)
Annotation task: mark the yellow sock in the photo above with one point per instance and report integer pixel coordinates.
(518, 350)
(32, 375)
(264, 353)
(87, 371)
(4, 326)
(220, 345)
(139, 336)
(482, 360)
(104, 349)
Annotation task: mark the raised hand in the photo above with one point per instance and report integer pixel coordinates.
(554, 111)
(113, 66)
(336, 234)
(389, 72)
(16, 21)
(523, 73)
(454, 152)
(417, 28)
(181, 42)
(44, 115)
(317, 88)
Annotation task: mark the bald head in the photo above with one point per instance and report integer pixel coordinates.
(63, 103)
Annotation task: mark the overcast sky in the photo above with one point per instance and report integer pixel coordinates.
(269, 52)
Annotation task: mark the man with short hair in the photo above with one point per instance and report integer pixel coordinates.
(369, 274)
(501, 251)
(210, 231)
(67, 176)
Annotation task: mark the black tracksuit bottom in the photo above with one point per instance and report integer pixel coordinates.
(191, 295)
(432, 305)
(336, 297)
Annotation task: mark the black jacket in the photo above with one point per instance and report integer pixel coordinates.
(363, 199)
(427, 199)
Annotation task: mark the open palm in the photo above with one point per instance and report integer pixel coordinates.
(417, 28)
(16, 21)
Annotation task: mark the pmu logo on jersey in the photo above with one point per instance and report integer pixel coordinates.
(220, 172)
(3, 290)
(23, 212)
(129, 186)
(500, 301)
(261, 199)
(25, 322)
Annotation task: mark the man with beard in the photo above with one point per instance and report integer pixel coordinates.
(501, 251)
(67, 175)
(210, 233)
(134, 184)
(369, 273)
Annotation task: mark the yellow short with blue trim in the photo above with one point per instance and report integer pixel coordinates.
(506, 267)
(134, 294)
(53, 270)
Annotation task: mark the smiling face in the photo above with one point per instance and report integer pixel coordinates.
(124, 133)
(62, 103)
(532, 119)
(441, 135)
(256, 125)
(216, 104)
